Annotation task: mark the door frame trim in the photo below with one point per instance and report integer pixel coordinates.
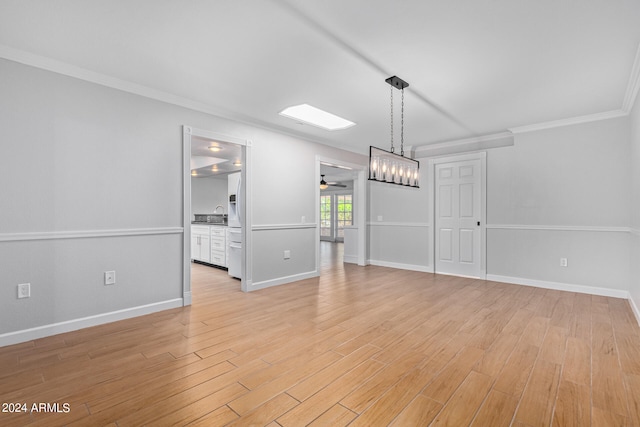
(431, 167)
(359, 205)
(246, 219)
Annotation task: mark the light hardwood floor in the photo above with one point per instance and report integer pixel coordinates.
(359, 346)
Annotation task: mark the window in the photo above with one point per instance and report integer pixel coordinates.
(325, 216)
(345, 213)
(336, 213)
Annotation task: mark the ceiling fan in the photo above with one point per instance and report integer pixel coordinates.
(324, 184)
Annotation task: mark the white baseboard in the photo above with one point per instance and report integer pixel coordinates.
(186, 298)
(605, 292)
(16, 337)
(351, 259)
(282, 280)
(634, 308)
(412, 267)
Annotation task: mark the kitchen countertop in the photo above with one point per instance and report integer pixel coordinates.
(208, 223)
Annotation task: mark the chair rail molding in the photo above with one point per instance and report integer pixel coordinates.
(84, 234)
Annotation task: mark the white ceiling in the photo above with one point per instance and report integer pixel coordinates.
(335, 174)
(207, 163)
(475, 67)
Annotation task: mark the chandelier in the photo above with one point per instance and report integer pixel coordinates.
(387, 166)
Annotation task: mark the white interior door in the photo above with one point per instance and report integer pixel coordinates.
(457, 218)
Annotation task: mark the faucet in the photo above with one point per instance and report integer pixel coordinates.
(216, 209)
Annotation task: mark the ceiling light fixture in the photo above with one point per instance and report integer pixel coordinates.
(316, 117)
(387, 166)
(323, 183)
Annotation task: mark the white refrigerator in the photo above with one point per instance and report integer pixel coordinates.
(234, 237)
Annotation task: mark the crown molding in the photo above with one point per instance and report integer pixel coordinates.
(65, 69)
(483, 142)
(59, 67)
(633, 85)
(464, 141)
(570, 121)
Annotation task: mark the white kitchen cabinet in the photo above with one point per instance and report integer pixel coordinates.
(201, 243)
(218, 246)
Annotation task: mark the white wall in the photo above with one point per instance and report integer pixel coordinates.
(79, 161)
(634, 286)
(95, 183)
(280, 200)
(207, 193)
(400, 238)
(562, 192)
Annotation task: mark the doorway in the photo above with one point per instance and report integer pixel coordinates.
(341, 208)
(458, 196)
(238, 163)
(336, 214)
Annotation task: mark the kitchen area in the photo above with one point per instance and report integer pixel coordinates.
(216, 224)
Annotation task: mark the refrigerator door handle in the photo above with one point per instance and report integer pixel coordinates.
(238, 199)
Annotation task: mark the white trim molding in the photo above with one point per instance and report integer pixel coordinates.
(477, 143)
(634, 308)
(247, 257)
(65, 69)
(558, 228)
(397, 224)
(605, 292)
(360, 204)
(569, 121)
(85, 234)
(401, 266)
(350, 259)
(263, 227)
(16, 337)
(283, 280)
(186, 298)
(633, 85)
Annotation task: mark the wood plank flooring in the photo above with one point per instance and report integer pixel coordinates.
(358, 346)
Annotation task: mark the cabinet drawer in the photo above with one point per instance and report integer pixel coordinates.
(218, 231)
(200, 229)
(218, 243)
(218, 258)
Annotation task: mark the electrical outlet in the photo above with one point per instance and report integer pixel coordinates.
(379, 217)
(24, 290)
(109, 277)
(563, 262)
(304, 219)
(287, 254)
